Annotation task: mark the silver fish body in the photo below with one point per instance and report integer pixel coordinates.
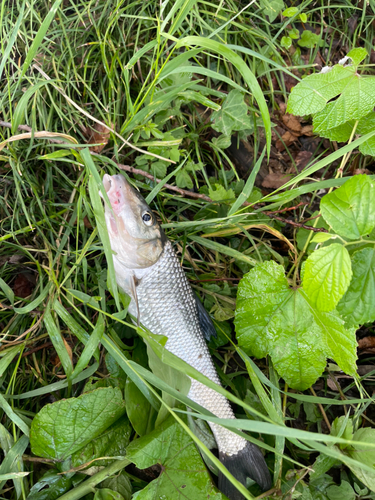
(163, 300)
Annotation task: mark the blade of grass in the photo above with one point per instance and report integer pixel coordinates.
(94, 186)
(13, 455)
(31, 53)
(12, 37)
(58, 342)
(218, 247)
(14, 417)
(242, 67)
(57, 386)
(248, 188)
(90, 347)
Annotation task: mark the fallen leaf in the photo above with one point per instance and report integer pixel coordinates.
(360, 171)
(99, 134)
(287, 139)
(302, 159)
(292, 122)
(367, 343)
(22, 286)
(275, 180)
(307, 130)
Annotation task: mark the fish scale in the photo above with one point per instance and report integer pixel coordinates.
(167, 307)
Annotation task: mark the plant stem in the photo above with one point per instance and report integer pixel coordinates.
(88, 486)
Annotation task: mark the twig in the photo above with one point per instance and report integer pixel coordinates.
(200, 196)
(183, 192)
(303, 203)
(20, 127)
(36, 349)
(322, 410)
(297, 224)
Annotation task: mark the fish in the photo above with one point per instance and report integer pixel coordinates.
(149, 271)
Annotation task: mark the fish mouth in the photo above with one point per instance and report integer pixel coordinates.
(109, 184)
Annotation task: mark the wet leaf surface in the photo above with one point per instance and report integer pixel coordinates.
(183, 476)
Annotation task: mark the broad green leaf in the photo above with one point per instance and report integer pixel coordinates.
(321, 237)
(272, 8)
(62, 428)
(272, 318)
(368, 147)
(110, 443)
(286, 42)
(107, 494)
(309, 39)
(341, 133)
(233, 114)
(313, 94)
(357, 55)
(327, 276)
(290, 12)
(322, 465)
(366, 435)
(183, 472)
(358, 304)
(220, 193)
(357, 99)
(50, 486)
(183, 179)
(223, 141)
(294, 34)
(120, 483)
(344, 491)
(350, 210)
(365, 125)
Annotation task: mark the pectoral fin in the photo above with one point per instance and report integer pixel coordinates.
(205, 321)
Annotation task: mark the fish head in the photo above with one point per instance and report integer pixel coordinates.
(135, 235)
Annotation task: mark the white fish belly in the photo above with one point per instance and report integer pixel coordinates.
(167, 307)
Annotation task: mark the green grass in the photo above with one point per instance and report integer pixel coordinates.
(68, 66)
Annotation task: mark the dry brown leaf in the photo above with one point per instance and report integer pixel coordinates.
(22, 286)
(292, 122)
(367, 344)
(99, 135)
(360, 171)
(307, 130)
(332, 385)
(275, 180)
(302, 159)
(287, 139)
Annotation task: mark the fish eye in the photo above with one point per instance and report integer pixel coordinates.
(147, 218)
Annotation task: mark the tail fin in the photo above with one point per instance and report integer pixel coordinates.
(248, 462)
